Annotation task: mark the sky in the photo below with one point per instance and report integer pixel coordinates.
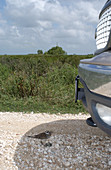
(27, 26)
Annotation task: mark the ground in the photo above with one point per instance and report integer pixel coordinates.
(72, 145)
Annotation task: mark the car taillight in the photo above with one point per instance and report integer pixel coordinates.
(103, 29)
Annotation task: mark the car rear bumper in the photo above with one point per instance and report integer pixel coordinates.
(96, 72)
(97, 105)
(95, 76)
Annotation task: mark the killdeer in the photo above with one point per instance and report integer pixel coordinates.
(43, 135)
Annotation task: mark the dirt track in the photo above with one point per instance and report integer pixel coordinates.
(76, 144)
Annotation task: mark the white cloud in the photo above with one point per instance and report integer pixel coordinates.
(2, 33)
(30, 25)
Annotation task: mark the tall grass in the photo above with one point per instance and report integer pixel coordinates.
(39, 83)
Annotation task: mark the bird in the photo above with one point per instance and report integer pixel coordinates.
(43, 135)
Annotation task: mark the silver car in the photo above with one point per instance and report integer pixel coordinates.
(95, 75)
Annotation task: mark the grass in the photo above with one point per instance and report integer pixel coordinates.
(39, 83)
(32, 104)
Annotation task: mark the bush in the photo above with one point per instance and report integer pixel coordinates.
(39, 52)
(56, 51)
(50, 81)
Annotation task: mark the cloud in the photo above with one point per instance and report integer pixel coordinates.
(29, 25)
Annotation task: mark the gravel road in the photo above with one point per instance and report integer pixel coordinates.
(72, 145)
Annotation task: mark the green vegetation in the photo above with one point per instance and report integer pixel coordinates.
(39, 52)
(56, 51)
(39, 83)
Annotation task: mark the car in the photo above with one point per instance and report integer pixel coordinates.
(95, 76)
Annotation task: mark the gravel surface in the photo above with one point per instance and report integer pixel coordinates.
(72, 145)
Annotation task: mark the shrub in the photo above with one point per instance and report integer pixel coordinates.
(56, 51)
(47, 80)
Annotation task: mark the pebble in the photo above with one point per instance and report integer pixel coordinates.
(109, 149)
(61, 151)
(109, 163)
(66, 164)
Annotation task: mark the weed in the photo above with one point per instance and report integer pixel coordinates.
(39, 83)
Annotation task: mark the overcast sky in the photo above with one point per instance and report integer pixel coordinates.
(29, 25)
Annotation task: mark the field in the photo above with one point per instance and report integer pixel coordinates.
(39, 83)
